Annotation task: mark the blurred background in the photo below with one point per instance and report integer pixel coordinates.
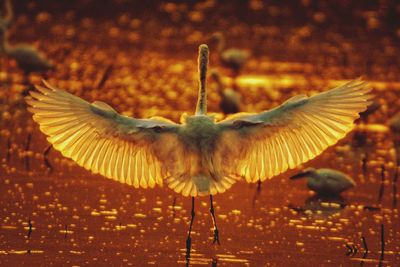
(141, 58)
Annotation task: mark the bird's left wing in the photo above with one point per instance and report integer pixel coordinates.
(94, 135)
(260, 146)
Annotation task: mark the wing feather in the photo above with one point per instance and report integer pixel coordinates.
(268, 143)
(99, 139)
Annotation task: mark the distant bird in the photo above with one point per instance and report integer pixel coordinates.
(230, 99)
(200, 156)
(394, 123)
(28, 58)
(371, 109)
(231, 58)
(326, 182)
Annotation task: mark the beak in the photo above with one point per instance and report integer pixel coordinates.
(299, 175)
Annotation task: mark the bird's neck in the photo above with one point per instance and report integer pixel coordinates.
(4, 46)
(201, 108)
(221, 44)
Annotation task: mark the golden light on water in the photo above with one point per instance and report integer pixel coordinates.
(141, 60)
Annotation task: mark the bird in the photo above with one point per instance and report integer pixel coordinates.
(326, 182)
(28, 58)
(231, 58)
(230, 99)
(394, 123)
(198, 156)
(371, 109)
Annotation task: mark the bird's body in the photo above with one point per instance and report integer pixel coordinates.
(371, 109)
(231, 58)
(230, 102)
(234, 58)
(28, 58)
(326, 182)
(394, 123)
(200, 156)
(230, 99)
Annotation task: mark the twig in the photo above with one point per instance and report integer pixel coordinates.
(297, 209)
(394, 188)
(173, 207)
(352, 250)
(8, 155)
(381, 258)
(382, 188)
(27, 146)
(66, 231)
(364, 165)
(105, 76)
(46, 160)
(30, 228)
(371, 208)
(365, 252)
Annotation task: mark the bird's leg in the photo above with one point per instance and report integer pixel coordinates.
(235, 85)
(46, 160)
(216, 233)
(189, 238)
(27, 147)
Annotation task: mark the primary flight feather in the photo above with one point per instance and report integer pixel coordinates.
(200, 156)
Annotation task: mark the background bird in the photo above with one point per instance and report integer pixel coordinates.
(28, 58)
(230, 99)
(394, 124)
(199, 156)
(326, 182)
(371, 109)
(231, 58)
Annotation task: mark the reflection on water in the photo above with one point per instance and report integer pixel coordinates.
(321, 206)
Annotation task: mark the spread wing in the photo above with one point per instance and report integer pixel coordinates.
(263, 145)
(99, 139)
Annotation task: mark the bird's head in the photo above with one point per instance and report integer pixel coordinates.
(305, 173)
(214, 74)
(216, 36)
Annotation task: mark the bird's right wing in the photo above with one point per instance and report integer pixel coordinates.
(260, 146)
(99, 139)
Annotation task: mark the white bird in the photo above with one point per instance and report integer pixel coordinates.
(231, 58)
(230, 99)
(326, 182)
(28, 58)
(200, 156)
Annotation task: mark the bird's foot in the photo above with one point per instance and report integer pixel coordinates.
(216, 237)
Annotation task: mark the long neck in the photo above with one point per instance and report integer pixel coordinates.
(201, 108)
(4, 47)
(221, 44)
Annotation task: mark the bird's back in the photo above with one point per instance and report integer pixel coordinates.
(327, 181)
(196, 160)
(235, 58)
(29, 58)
